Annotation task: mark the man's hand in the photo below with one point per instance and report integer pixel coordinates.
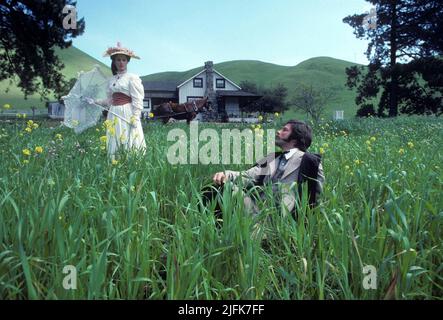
(219, 178)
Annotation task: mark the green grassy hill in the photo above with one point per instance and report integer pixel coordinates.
(74, 59)
(320, 72)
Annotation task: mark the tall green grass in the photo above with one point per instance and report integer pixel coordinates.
(138, 229)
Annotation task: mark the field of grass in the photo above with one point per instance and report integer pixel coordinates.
(136, 229)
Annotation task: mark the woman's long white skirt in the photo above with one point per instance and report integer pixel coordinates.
(121, 134)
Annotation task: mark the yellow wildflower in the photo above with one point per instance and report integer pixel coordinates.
(347, 167)
(325, 145)
(410, 145)
(25, 161)
(38, 149)
(27, 152)
(103, 139)
(258, 126)
(111, 131)
(122, 138)
(373, 139)
(322, 151)
(75, 123)
(260, 118)
(107, 124)
(276, 114)
(18, 115)
(401, 151)
(30, 123)
(114, 162)
(58, 136)
(369, 149)
(6, 106)
(35, 125)
(358, 162)
(28, 130)
(151, 115)
(24, 115)
(102, 148)
(368, 142)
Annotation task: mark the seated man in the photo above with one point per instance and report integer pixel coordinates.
(282, 169)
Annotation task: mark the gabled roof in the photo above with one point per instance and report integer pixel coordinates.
(160, 85)
(232, 82)
(199, 73)
(195, 75)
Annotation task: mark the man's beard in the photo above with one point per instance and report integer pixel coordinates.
(279, 142)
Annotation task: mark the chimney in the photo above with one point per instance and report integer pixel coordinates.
(210, 92)
(209, 65)
(209, 79)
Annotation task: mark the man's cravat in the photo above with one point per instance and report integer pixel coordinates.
(281, 164)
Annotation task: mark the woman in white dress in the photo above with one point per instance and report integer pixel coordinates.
(125, 99)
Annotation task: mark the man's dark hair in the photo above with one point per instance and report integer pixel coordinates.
(301, 133)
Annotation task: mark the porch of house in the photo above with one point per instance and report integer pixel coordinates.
(232, 105)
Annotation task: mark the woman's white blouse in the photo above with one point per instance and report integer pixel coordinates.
(131, 85)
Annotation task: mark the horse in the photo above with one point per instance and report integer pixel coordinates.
(183, 111)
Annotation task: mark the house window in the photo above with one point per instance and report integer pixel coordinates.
(220, 83)
(198, 82)
(190, 99)
(146, 105)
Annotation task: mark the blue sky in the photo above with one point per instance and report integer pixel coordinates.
(176, 35)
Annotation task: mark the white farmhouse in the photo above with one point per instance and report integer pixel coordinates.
(227, 97)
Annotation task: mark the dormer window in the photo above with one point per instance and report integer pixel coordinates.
(198, 82)
(220, 83)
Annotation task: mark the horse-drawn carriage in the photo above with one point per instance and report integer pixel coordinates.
(180, 111)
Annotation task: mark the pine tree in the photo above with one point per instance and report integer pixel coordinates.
(404, 40)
